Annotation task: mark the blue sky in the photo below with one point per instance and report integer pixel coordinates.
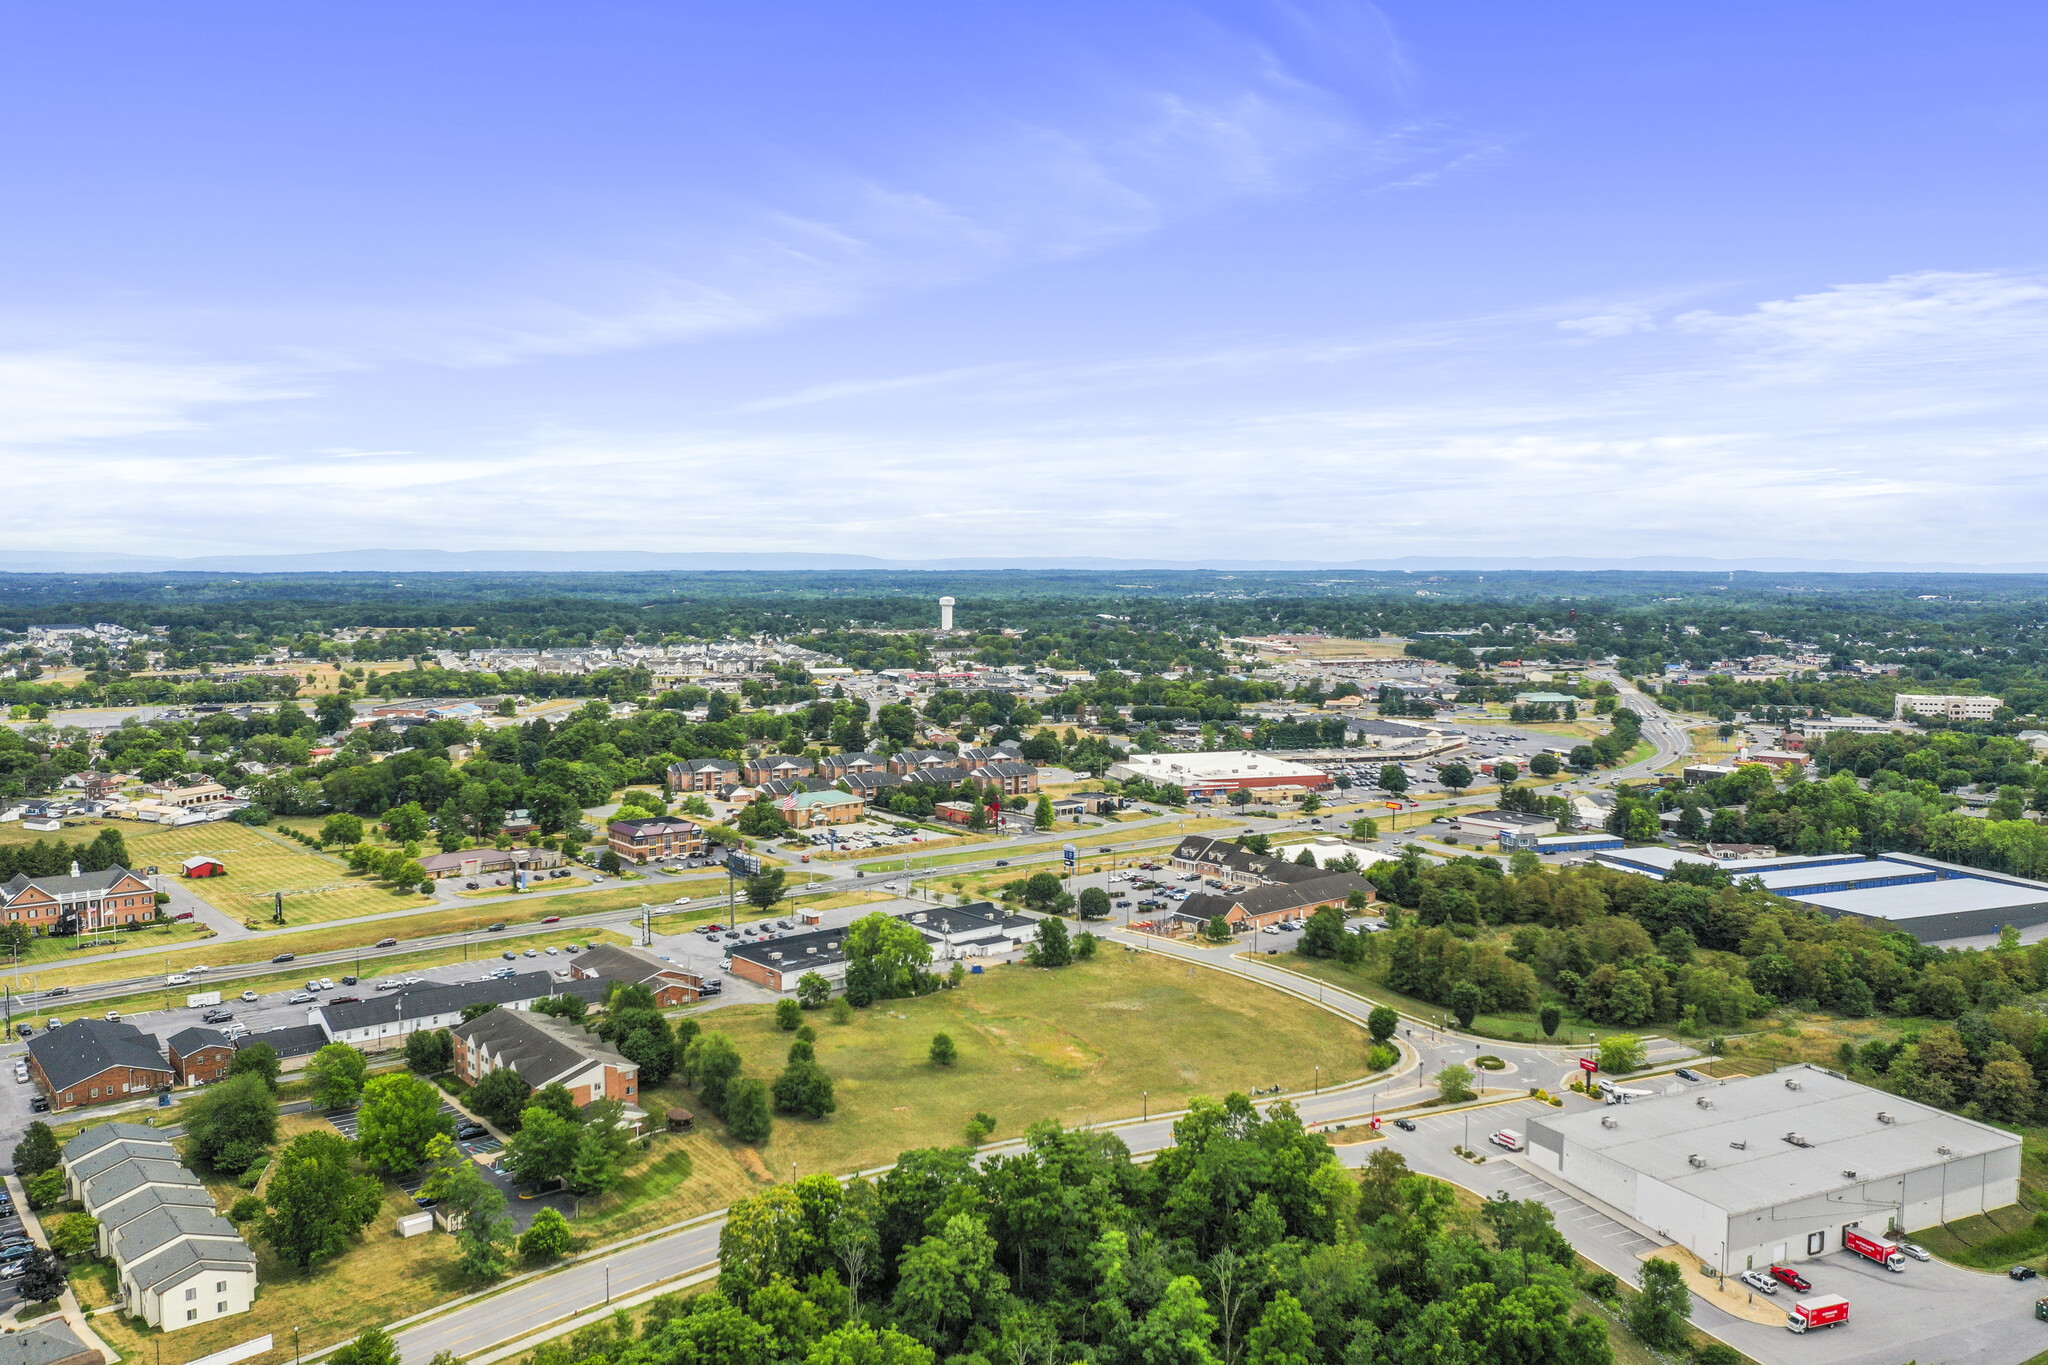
(1289, 280)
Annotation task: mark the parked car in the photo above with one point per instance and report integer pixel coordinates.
(1686, 1073)
(471, 1131)
(1759, 1281)
(39, 1104)
(2021, 1272)
(552, 950)
(533, 952)
(1790, 1278)
(1405, 1125)
(344, 1000)
(469, 886)
(348, 981)
(217, 1016)
(19, 1253)
(510, 955)
(113, 1016)
(326, 983)
(250, 997)
(387, 943)
(1915, 1250)
(300, 998)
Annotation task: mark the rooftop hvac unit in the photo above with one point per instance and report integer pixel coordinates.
(1796, 1140)
(833, 946)
(1607, 1122)
(1704, 1103)
(1742, 1146)
(776, 956)
(1696, 1160)
(1848, 1175)
(1791, 1084)
(1942, 1151)
(1883, 1117)
(812, 950)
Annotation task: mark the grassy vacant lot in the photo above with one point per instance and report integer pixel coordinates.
(316, 887)
(1079, 1045)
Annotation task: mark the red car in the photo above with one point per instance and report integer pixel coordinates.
(552, 919)
(1790, 1278)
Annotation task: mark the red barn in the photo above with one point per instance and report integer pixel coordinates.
(204, 865)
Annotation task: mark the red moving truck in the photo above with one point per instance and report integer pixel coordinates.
(1885, 1253)
(1828, 1310)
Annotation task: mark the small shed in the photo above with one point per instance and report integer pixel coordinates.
(681, 1121)
(204, 865)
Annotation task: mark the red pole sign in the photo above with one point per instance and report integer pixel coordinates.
(1588, 1064)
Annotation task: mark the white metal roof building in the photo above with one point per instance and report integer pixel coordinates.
(1222, 771)
(1769, 1169)
(1929, 899)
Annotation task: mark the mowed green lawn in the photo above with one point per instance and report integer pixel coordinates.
(260, 864)
(1080, 1044)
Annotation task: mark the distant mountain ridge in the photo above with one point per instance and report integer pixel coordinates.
(631, 561)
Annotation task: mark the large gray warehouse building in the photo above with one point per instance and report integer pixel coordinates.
(1932, 900)
(1769, 1169)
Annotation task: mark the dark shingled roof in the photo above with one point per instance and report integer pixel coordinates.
(426, 1001)
(84, 1048)
(105, 1158)
(47, 1343)
(187, 1041)
(100, 1134)
(294, 1040)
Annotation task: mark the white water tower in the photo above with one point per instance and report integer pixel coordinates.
(945, 613)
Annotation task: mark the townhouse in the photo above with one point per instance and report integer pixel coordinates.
(177, 1261)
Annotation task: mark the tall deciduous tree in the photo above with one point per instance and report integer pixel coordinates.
(337, 1073)
(400, 1115)
(316, 1201)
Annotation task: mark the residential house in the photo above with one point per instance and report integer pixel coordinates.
(546, 1051)
(178, 1263)
(97, 1061)
(199, 1056)
(672, 985)
(655, 836)
(80, 901)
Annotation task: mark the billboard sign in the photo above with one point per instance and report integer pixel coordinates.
(1070, 853)
(743, 864)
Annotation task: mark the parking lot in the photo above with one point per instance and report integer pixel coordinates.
(1931, 1311)
(11, 1231)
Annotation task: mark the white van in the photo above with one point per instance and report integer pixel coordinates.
(1508, 1138)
